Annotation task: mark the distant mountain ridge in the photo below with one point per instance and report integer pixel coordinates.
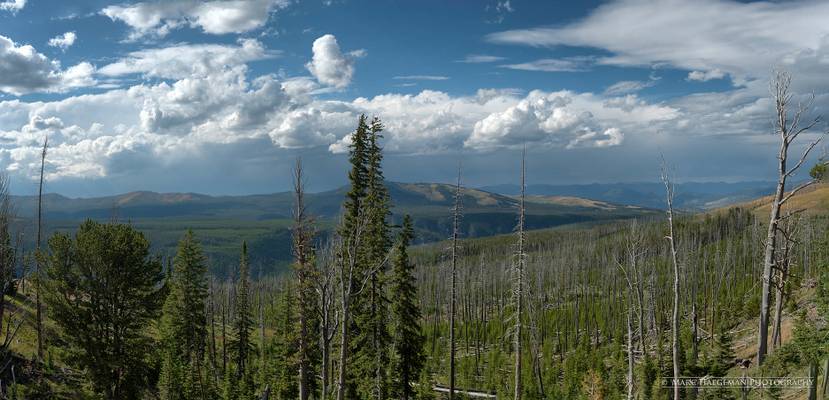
(420, 198)
(263, 220)
(691, 196)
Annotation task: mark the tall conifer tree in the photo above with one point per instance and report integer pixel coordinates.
(351, 256)
(184, 324)
(243, 325)
(408, 338)
(373, 338)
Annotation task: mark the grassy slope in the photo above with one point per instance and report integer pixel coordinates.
(813, 200)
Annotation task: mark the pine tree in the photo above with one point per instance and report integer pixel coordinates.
(184, 323)
(241, 345)
(408, 338)
(102, 290)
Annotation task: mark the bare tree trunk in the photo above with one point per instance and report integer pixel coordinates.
(776, 337)
(788, 131)
(518, 291)
(212, 311)
(328, 323)
(630, 360)
(327, 327)
(669, 190)
(38, 305)
(301, 241)
(768, 254)
(343, 342)
(456, 215)
(813, 380)
(8, 248)
(224, 333)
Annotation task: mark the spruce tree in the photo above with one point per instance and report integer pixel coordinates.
(284, 357)
(371, 312)
(184, 324)
(241, 345)
(357, 180)
(408, 337)
(351, 256)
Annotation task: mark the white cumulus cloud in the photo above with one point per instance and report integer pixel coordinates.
(12, 5)
(187, 60)
(329, 65)
(24, 70)
(64, 41)
(213, 17)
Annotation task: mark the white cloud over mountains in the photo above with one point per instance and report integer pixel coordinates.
(197, 102)
(214, 17)
(201, 97)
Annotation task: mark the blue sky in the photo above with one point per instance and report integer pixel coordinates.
(221, 96)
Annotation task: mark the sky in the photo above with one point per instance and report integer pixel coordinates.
(221, 96)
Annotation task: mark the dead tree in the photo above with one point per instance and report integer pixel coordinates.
(630, 360)
(518, 276)
(302, 243)
(788, 130)
(8, 246)
(669, 196)
(38, 305)
(456, 216)
(783, 263)
(329, 316)
(634, 276)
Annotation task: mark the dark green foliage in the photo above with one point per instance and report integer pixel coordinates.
(818, 171)
(101, 288)
(408, 337)
(241, 345)
(717, 361)
(352, 206)
(184, 326)
(372, 338)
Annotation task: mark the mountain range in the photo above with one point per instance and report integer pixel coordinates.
(263, 220)
(223, 222)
